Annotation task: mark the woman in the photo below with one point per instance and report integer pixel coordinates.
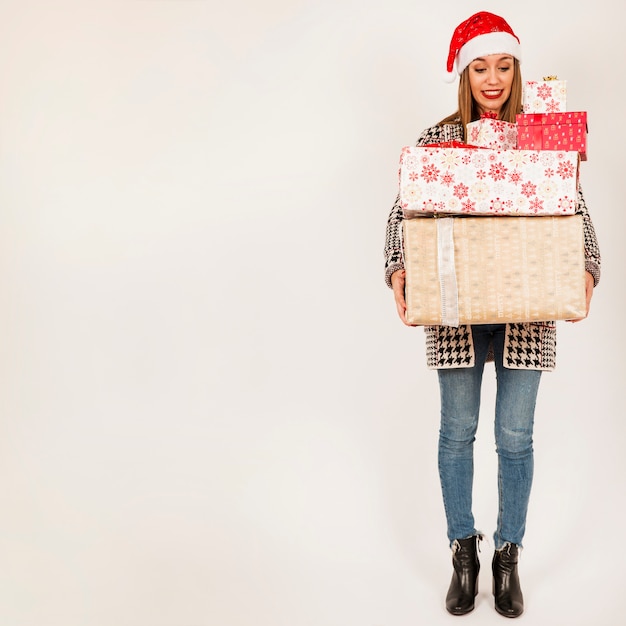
(487, 55)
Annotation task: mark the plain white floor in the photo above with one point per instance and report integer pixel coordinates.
(209, 412)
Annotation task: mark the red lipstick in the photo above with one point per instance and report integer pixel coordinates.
(493, 96)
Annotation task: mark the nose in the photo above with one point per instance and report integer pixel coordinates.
(492, 75)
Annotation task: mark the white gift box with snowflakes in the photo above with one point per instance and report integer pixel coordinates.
(544, 96)
(492, 133)
(437, 180)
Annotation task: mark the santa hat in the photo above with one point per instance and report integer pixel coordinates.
(480, 35)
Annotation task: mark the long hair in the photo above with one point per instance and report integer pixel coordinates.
(468, 109)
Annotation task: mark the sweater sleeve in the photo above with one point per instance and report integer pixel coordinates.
(394, 257)
(592, 249)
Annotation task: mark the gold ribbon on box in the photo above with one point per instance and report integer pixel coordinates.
(551, 77)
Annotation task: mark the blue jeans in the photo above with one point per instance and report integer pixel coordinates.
(515, 408)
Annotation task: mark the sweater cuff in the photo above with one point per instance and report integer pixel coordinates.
(394, 267)
(594, 269)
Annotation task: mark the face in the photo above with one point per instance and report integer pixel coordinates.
(490, 79)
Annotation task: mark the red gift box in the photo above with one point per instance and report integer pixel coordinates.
(553, 131)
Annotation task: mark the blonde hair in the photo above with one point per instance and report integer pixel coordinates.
(468, 109)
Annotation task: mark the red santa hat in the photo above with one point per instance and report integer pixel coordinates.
(480, 35)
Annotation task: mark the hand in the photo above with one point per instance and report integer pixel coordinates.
(398, 279)
(589, 293)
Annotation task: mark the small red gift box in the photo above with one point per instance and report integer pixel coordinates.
(553, 131)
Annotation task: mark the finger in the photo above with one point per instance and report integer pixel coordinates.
(402, 313)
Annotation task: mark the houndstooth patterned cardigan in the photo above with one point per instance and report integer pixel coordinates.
(526, 346)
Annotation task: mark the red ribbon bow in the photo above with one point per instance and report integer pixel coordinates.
(489, 115)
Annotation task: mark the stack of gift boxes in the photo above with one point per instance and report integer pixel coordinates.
(546, 124)
(507, 245)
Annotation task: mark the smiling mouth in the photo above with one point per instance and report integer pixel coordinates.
(493, 94)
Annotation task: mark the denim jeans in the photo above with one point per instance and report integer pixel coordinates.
(514, 418)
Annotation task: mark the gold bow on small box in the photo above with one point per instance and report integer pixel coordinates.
(550, 78)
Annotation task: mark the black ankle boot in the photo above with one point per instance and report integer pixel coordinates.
(506, 588)
(464, 585)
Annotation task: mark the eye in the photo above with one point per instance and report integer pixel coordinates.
(479, 70)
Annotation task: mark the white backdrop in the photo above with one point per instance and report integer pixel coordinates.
(210, 413)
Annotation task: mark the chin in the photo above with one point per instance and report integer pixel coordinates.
(496, 107)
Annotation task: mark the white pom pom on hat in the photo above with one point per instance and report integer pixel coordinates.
(480, 35)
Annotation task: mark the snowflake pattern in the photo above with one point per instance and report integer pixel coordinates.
(495, 134)
(544, 91)
(454, 204)
(467, 206)
(565, 169)
(430, 173)
(447, 179)
(547, 189)
(566, 205)
(497, 171)
(483, 181)
(499, 205)
(553, 106)
(548, 96)
(529, 189)
(460, 190)
(479, 191)
(450, 159)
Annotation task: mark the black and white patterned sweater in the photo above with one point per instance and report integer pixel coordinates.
(528, 345)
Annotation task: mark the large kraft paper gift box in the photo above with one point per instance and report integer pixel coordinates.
(480, 181)
(489, 270)
(553, 131)
(544, 96)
